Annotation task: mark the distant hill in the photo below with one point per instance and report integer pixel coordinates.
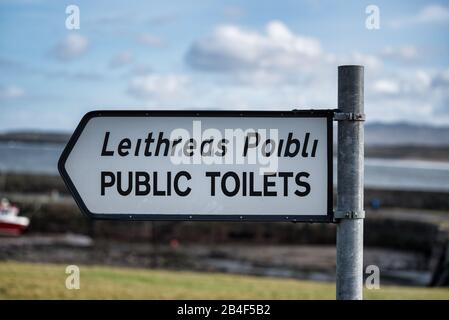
(406, 134)
(35, 137)
(376, 134)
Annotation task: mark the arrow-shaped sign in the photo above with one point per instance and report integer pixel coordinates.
(202, 165)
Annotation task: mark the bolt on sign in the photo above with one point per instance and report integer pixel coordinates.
(202, 165)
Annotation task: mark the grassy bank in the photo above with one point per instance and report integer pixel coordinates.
(47, 281)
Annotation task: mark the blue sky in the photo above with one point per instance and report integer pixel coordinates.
(219, 55)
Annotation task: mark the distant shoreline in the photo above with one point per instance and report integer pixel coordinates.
(35, 137)
(408, 152)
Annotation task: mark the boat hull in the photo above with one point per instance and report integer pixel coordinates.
(11, 229)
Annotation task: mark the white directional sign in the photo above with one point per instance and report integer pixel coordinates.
(202, 165)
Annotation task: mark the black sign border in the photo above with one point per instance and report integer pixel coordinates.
(321, 113)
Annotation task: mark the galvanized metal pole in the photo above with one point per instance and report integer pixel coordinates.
(350, 212)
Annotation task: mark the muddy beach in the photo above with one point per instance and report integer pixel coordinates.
(314, 262)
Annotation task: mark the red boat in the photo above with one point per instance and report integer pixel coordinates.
(10, 223)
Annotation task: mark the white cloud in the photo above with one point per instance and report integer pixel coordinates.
(386, 86)
(11, 92)
(401, 53)
(231, 48)
(423, 79)
(369, 61)
(121, 59)
(274, 57)
(441, 80)
(280, 69)
(405, 84)
(409, 95)
(71, 47)
(433, 13)
(158, 88)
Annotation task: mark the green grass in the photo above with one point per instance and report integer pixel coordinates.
(47, 281)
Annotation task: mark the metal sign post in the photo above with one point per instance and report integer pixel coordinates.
(350, 169)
